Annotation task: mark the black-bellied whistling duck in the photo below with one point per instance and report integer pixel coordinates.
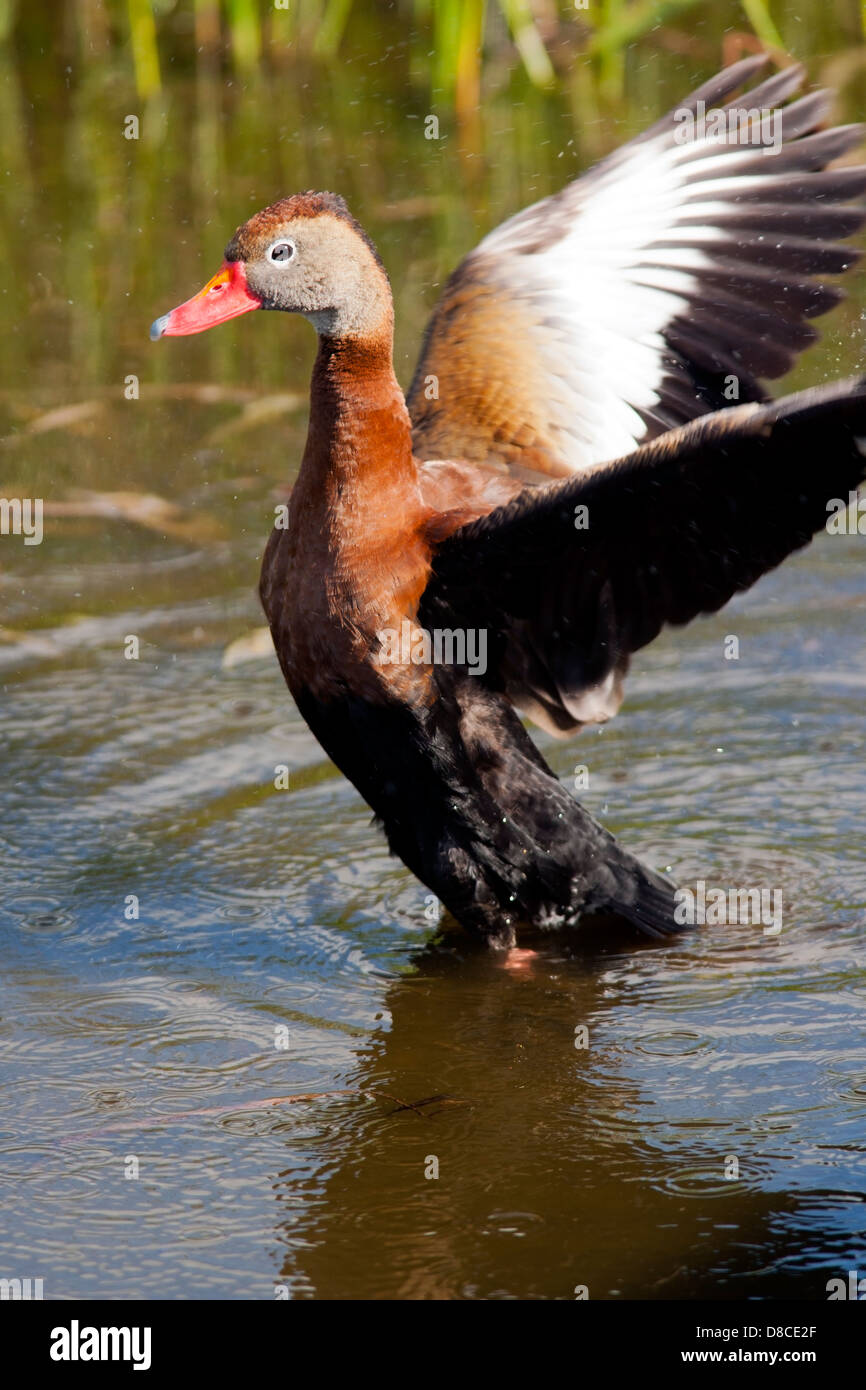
(618, 321)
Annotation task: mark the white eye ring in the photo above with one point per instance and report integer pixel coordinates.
(285, 246)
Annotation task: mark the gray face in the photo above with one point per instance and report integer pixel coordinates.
(318, 267)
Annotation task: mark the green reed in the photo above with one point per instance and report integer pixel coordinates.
(455, 39)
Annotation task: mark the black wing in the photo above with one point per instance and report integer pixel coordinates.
(671, 530)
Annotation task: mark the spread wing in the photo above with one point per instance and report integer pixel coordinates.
(672, 530)
(668, 281)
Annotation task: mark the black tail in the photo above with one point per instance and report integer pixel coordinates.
(639, 895)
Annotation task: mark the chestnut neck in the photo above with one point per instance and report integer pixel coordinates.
(360, 434)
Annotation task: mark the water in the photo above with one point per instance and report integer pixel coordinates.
(267, 917)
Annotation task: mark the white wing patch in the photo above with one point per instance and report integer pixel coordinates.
(608, 265)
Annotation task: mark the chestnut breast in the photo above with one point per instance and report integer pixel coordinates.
(353, 560)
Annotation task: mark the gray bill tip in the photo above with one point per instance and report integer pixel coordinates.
(158, 327)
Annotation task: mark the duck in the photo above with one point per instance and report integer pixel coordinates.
(587, 454)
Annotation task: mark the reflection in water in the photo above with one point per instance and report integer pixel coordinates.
(608, 1167)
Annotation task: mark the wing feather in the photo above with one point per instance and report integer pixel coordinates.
(674, 529)
(625, 304)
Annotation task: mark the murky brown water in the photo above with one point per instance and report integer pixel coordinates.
(262, 911)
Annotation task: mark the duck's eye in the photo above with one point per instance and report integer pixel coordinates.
(281, 252)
